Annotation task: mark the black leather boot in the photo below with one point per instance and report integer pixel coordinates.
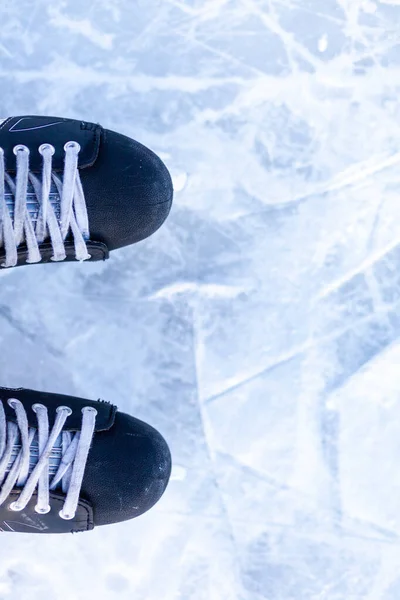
(68, 464)
(71, 190)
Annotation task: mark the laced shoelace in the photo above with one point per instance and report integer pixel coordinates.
(19, 227)
(16, 466)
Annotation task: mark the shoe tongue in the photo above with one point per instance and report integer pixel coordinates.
(54, 460)
(32, 202)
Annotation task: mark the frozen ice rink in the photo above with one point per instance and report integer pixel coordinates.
(259, 329)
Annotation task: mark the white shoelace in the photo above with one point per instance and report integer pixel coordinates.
(15, 466)
(18, 227)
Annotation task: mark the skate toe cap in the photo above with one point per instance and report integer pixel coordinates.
(128, 191)
(127, 472)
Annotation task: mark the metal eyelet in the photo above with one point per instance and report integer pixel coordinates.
(14, 506)
(64, 409)
(72, 145)
(89, 409)
(47, 148)
(21, 148)
(13, 402)
(43, 511)
(66, 517)
(38, 406)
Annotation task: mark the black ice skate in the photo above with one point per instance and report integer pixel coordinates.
(68, 464)
(71, 190)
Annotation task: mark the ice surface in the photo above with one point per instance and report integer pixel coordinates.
(259, 329)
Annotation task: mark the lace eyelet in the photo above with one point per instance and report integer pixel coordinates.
(38, 406)
(20, 148)
(46, 147)
(89, 409)
(66, 517)
(13, 402)
(58, 258)
(14, 507)
(72, 145)
(43, 511)
(64, 409)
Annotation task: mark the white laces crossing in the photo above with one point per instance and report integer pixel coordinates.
(32, 458)
(17, 224)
